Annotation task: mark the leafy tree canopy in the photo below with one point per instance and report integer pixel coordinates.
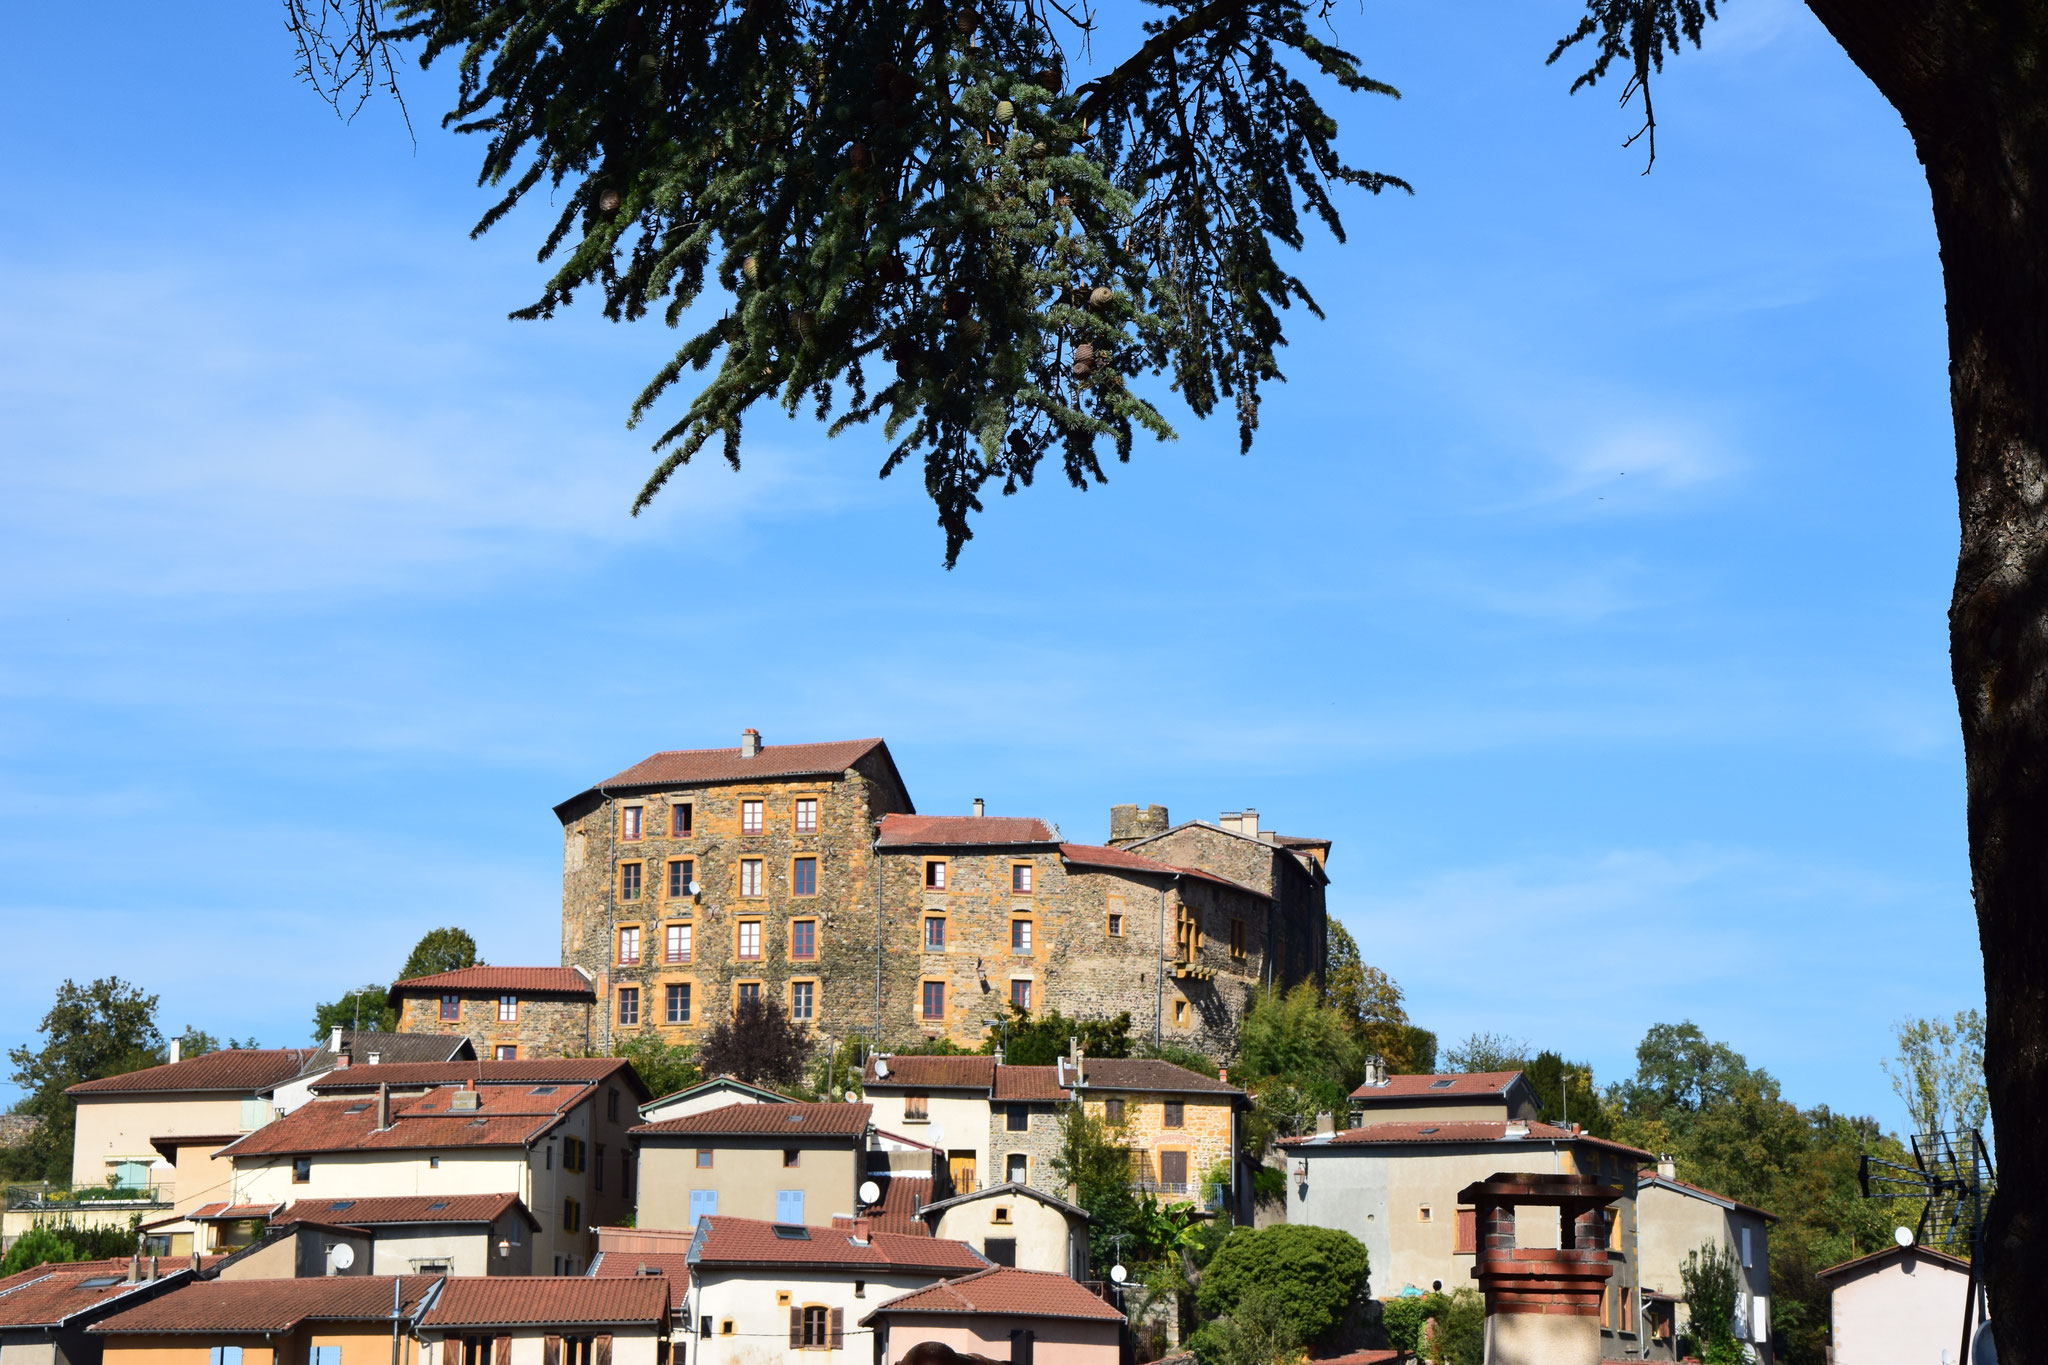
(1710, 1285)
(1315, 1275)
(440, 950)
(1370, 1001)
(665, 1067)
(1038, 1039)
(366, 1008)
(1093, 1164)
(1939, 1072)
(1488, 1052)
(757, 1043)
(103, 1029)
(1566, 1093)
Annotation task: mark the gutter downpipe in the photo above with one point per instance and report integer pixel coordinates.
(611, 916)
(875, 851)
(397, 1302)
(1159, 1004)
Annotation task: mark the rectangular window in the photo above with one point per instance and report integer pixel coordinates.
(1020, 935)
(934, 934)
(572, 1216)
(1180, 1013)
(323, 1355)
(750, 817)
(1116, 925)
(1003, 1251)
(935, 876)
(679, 1003)
(224, 1355)
(1173, 1171)
(704, 1158)
(747, 990)
(1020, 994)
(302, 1170)
(629, 946)
(807, 816)
(815, 1329)
(681, 873)
(1237, 938)
(803, 877)
(789, 1207)
(749, 941)
(792, 1157)
(803, 938)
(506, 1052)
(1017, 1171)
(629, 881)
(451, 1013)
(629, 1006)
(629, 822)
(508, 1009)
(750, 876)
(802, 998)
(1113, 1109)
(935, 1000)
(1018, 1120)
(679, 943)
(1176, 1114)
(1020, 879)
(917, 1109)
(679, 819)
(1745, 1248)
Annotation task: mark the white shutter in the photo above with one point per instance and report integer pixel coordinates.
(1760, 1318)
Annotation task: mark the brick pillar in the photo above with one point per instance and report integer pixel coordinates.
(1542, 1304)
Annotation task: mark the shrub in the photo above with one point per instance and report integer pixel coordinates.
(1315, 1275)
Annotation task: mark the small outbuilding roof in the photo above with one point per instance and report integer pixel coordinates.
(756, 1120)
(1005, 1291)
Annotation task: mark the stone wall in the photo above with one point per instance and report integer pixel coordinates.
(1039, 1144)
(1300, 929)
(545, 1026)
(1204, 1133)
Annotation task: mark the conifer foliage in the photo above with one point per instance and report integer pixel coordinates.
(916, 218)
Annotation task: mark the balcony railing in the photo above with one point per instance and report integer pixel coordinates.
(45, 1195)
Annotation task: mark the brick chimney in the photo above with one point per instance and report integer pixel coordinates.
(861, 1229)
(750, 743)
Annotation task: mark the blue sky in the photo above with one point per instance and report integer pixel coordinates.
(1586, 584)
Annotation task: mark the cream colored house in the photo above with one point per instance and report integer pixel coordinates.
(219, 1094)
(448, 1234)
(1015, 1225)
(1001, 1314)
(943, 1101)
(715, 1093)
(1395, 1186)
(1900, 1306)
(1673, 1219)
(789, 1163)
(1467, 1095)
(774, 1294)
(548, 1321)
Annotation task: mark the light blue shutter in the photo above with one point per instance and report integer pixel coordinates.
(703, 1204)
(225, 1355)
(789, 1206)
(255, 1112)
(131, 1175)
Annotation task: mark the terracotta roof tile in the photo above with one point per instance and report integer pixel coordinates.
(270, 1305)
(1029, 1083)
(395, 1047)
(243, 1069)
(1650, 1177)
(405, 1208)
(1003, 1290)
(52, 1294)
(723, 1240)
(527, 1071)
(1428, 1131)
(500, 980)
(614, 1265)
(1123, 860)
(682, 766)
(1461, 1085)
(508, 1117)
(934, 1073)
(548, 1300)
(21, 1277)
(940, 831)
(745, 1119)
(224, 1212)
(896, 1212)
(1150, 1074)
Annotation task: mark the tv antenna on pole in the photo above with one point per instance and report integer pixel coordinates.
(1952, 1173)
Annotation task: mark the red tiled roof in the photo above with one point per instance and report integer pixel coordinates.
(21, 1277)
(902, 1196)
(1123, 860)
(1940, 1258)
(500, 981)
(508, 1117)
(405, 1208)
(775, 1120)
(1001, 1289)
(527, 1071)
(1029, 1083)
(723, 1240)
(1463, 1085)
(1651, 1177)
(614, 1265)
(725, 765)
(549, 1300)
(1150, 1074)
(935, 1073)
(50, 1295)
(238, 1306)
(1430, 1131)
(903, 831)
(242, 1068)
(224, 1211)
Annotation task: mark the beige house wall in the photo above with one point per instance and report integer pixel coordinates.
(1672, 1224)
(632, 1345)
(1045, 1237)
(1423, 1111)
(1069, 1341)
(361, 1344)
(1905, 1311)
(466, 1249)
(958, 1124)
(201, 1177)
(760, 1336)
(116, 1128)
(747, 1173)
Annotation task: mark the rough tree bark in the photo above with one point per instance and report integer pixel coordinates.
(1968, 78)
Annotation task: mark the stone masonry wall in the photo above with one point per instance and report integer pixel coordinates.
(1039, 1143)
(1204, 1133)
(1300, 920)
(544, 1027)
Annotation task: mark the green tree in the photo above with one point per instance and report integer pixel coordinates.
(1029, 1039)
(1709, 1281)
(1401, 1318)
(440, 950)
(757, 1043)
(1093, 1164)
(1370, 1001)
(1459, 1334)
(1300, 1040)
(366, 1008)
(1316, 1275)
(1488, 1052)
(1257, 1332)
(663, 1066)
(104, 1029)
(1939, 1072)
(1565, 1091)
(38, 1246)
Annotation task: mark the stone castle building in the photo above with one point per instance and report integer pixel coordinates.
(804, 872)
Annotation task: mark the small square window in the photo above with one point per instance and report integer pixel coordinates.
(935, 1000)
(1020, 879)
(750, 817)
(703, 1158)
(750, 876)
(1020, 935)
(1113, 1109)
(1176, 1114)
(803, 938)
(935, 876)
(802, 1000)
(917, 1109)
(508, 1009)
(679, 943)
(803, 876)
(807, 816)
(935, 933)
(679, 819)
(1180, 1013)
(790, 1155)
(681, 873)
(1020, 994)
(745, 991)
(629, 822)
(679, 1003)
(1422, 1214)
(1116, 926)
(451, 1008)
(749, 941)
(629, 881)
(302, 1170)
(629, 1006)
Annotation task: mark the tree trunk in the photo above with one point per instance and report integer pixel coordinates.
(1969, 78)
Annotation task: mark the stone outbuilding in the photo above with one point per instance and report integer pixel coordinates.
(512, 1013)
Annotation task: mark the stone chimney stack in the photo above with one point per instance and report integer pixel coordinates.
(750, 743)
(1128, 824)
(978, 808)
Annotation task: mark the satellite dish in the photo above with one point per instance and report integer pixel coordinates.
(1903, 1236)
(852, 1097)
(1983, 1351)
(870, 1192)
(881, 1068)
(343, 1254)
(1119, 1274)
(696, 889)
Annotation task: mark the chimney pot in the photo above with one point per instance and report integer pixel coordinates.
(977, 806)
(750, 742)
(1667, 1167)
(177, 1050)
(334, 1039)
(1248, 823)
(861, 1227)
(341, 1059)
